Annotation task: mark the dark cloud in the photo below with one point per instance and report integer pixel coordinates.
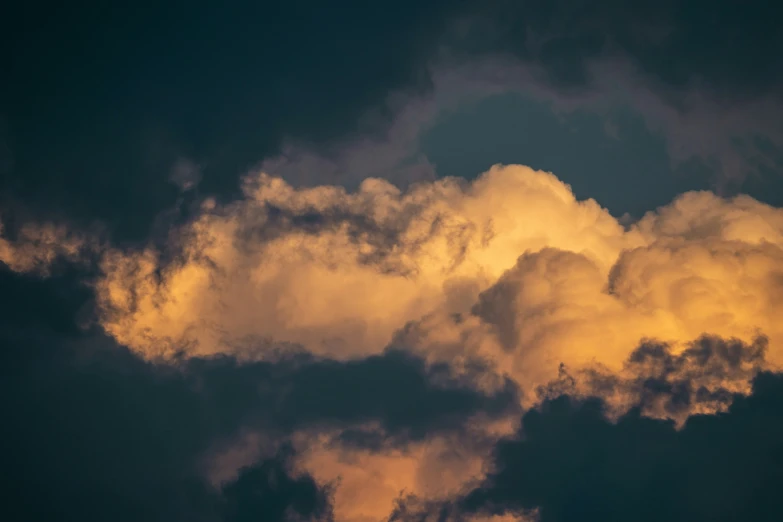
(729, 46)
(104, 104)
(267, 492)
(87, 440)
(663, 383)
(573, 464)
(130, 115)
(92, 432)
(394, 389)
(707, 78)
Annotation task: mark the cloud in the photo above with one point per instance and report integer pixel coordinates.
(556, 306)
(566, 35)
(308, 350)
(400, 331)
(736, 137)
(341, 272)
(389, 338)
(268, 492)
(369, 481)
(677, 66)
(92, 430)
(351, 304)
(37, 246)
(91, 433)
(708, 80)
(214, 101)
(185, 175)
(701, 379)
(394, 390)
(573, 464)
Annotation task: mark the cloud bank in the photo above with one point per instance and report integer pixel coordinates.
(315, 345)
(509, 274)
(510, 269)
(386, 341)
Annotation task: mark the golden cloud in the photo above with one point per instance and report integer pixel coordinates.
(510, 269)
(339, 272)
(38, 245)
(548, 278)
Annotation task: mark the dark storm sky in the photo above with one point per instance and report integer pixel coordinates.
(98, 103)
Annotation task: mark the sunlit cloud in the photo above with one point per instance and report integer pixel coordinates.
(505, 279)
(538, 277)
(37, 246)
(265, 270)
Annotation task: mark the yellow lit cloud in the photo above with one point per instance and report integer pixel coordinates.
(370, 481)
(37, 246)
(510, 269)
(548, 278)
(340, 272)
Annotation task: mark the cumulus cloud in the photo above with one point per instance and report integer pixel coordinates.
(391, 337)
(316, 352)
(507, 279)
(341, 272)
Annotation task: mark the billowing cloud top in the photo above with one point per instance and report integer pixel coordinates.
(510, 268)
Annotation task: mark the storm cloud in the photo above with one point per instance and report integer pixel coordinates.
(282, 261)
(573, 464)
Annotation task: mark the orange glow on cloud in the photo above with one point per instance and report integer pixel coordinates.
(550, 279)
(39, 245)
(511, 269)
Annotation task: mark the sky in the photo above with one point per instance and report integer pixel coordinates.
(442, 261)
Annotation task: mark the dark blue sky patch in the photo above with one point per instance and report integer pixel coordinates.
(615, 159)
